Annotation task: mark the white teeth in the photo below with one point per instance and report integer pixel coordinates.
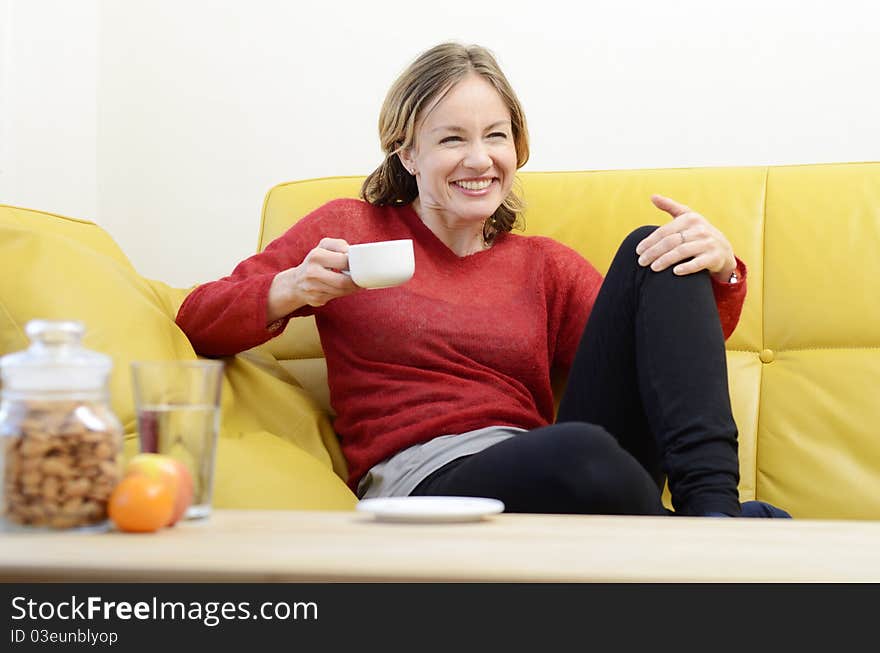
(474, 185)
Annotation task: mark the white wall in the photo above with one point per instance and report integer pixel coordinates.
(48, 105)
(201, 107)
(5, 53)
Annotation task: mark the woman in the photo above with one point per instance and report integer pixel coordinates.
(442, 385)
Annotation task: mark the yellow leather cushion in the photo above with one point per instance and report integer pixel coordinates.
(75, 272)
(819, 450)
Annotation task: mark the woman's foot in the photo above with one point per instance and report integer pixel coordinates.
(763, 509)
(756, 509)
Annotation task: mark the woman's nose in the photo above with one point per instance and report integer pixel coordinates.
(477, 157)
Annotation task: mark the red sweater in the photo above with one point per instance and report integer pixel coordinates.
(468, 342)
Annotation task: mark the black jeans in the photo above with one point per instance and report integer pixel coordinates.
(646, 399)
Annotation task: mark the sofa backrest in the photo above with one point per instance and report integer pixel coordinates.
(804, 362)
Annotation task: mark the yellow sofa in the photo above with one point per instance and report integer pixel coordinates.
(804, 363)
(275, 445)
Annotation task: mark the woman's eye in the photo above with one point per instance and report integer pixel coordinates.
(497, 135)
(450, 139)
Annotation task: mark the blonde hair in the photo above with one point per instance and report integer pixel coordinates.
(427, 79)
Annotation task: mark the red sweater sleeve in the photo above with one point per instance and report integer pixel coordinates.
(227, 316)
(729, 298)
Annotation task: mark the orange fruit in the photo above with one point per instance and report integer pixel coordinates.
(141, 504)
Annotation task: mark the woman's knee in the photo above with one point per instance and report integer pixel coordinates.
(626, 252)
(626, 259)
(636, 236)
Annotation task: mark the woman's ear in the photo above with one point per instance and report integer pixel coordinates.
(406, 159)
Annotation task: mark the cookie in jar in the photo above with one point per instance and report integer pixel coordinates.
(60, 442)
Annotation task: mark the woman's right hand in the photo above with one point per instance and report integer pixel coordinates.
(314, 282)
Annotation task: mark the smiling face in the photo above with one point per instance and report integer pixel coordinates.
(463, 157)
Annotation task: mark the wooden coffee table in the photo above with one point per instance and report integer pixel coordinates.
(259, 546)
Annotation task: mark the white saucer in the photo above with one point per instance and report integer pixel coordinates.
(430, 509)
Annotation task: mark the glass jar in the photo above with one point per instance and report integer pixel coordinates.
(60, 443)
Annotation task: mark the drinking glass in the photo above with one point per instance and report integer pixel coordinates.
(178, 415)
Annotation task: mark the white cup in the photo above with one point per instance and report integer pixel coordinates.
(381, 264)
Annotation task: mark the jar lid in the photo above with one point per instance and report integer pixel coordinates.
(55, 361)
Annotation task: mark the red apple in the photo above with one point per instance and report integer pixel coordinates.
(170, 471)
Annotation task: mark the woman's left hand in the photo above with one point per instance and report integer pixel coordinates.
(688, 236)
